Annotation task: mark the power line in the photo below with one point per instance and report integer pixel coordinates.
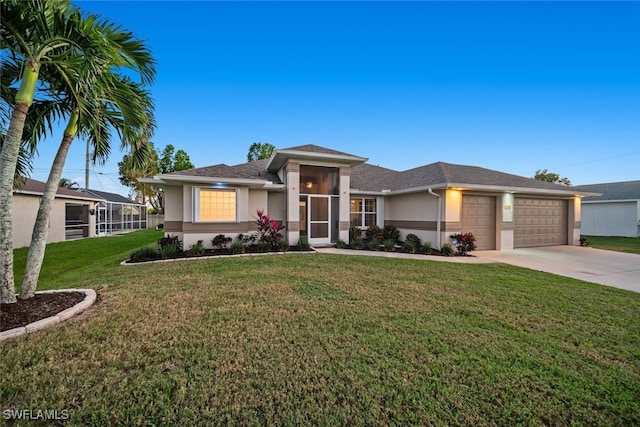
(597, 160)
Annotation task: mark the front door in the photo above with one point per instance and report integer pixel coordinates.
(319, 218)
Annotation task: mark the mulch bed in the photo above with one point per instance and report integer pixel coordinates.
(37, 308)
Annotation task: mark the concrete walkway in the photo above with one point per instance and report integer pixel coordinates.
(617, 269)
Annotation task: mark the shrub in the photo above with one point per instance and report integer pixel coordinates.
(446, 249)
(374, 244)
(221, 241)
(426, 248)
(269, 230)
(263, 246)
(169, 240)
(413, 239)
(246, 239)
(341, 244)
(390, 232)
(237, 246)
(170, 250)
(584, 241)
(357, 243)
(389, 245)
(409, 247)
(374, 232)
(354, 233)
(197, 249)
(464, 242)
(283, 245)
(144, 253)
(303, 244)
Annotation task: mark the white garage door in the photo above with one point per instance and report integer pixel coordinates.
(479, 218)
(539, 222)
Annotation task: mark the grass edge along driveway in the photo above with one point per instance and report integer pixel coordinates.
(322, 339)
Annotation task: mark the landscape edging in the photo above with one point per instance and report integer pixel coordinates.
(88, 301)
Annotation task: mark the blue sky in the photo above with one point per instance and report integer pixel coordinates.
(511, 86)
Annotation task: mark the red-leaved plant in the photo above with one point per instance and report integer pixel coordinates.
(269, 230)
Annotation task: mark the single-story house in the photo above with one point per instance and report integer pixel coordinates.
(76, 213)
(616, 212)
(70, 215)
(320, 193)
(117, 214)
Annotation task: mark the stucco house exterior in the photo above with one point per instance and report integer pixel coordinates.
(76, 213)
(70, 214)
(320, 193)
(616, 212)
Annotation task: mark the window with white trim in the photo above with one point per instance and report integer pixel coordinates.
(214, 205)
(363, 212)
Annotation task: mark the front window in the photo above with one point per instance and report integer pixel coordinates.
(214, 205)
(363, 212)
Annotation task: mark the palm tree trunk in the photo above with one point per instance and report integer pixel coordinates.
(38, 245)
(8, 161)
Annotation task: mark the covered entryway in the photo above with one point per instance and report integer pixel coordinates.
(539, 222)
(479, 218)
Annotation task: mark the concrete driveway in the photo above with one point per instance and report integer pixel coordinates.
(617, 269)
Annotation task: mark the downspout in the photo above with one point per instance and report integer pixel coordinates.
(439, 216)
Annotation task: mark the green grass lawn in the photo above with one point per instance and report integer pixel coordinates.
(620, 244)
(330, 340)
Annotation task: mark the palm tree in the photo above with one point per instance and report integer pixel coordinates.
(67, 183)
(112, 101)
(38, 35)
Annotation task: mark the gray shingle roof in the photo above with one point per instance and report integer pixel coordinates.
(257, 170)
(366, 177)
(316, 149)
(373, 178)
(251, 170)
(32, 186)
(110, 197)
(625, 190)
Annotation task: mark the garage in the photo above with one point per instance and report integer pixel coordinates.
(539, 222)
(479, 218)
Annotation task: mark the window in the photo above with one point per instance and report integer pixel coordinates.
(363, 212)
(214, 205)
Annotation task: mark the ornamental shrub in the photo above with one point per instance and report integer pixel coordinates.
(269, 230)
(374, 244)
(169, 240)
(390, 232)
(413, 239)
(389, 245)
(341, 244)
(374, 232)
(357, 243)
(197, 249)
(446, 249)
(426, 248)
(303, 244)
(409, 247)
(221, 241)
(354, 233)
(464, 242)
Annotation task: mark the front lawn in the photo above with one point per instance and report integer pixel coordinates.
(620, 244)
(332, 340)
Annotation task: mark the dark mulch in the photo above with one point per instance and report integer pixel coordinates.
(37, 308)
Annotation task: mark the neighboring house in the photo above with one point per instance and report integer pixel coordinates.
(75, 213)
(70, 215)
(616, 212)
(320, 193)
(117, 214)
